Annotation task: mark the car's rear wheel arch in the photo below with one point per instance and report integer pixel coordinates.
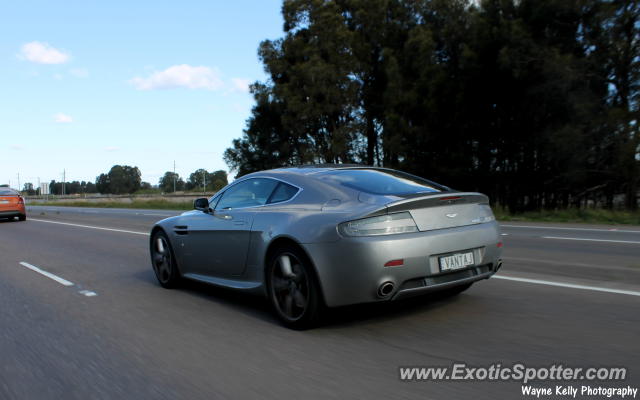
(287, 242)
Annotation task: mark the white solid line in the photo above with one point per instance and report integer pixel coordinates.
(47, 274)
(568, 285)
(90, 227)
(590, 240)
(567, 264)
(614, 230)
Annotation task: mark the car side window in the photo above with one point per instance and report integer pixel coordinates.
(282, 193)
(250, 193)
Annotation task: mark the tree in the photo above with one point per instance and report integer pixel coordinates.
(103, 183)
(217, 180)
(534, 102)
(308, 115)
(88, 187)
(121, 179)
(166, 183)
(28, 189)
(214, 180)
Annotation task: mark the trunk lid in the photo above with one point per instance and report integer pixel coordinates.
(9, 199)
(445, 210)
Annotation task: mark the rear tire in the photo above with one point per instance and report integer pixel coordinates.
(22, 217)
(163, 261)
(293, 289)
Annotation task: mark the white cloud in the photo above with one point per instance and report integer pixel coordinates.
(111, 148)
(62, 118)
(241, 84)
(79, 72)
(180, 76)
(42, 53)
(17, 147)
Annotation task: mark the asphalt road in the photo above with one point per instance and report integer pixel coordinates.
(113, 333)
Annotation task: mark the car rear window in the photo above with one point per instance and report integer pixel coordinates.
(282, 193)
(7, 192)
(383, 182)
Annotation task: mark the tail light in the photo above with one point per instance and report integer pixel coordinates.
(383, 225)
(20, 200)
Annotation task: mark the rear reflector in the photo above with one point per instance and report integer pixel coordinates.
(499, 244)
(450, 198)
(394, 263)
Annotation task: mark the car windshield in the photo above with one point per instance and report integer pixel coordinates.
(7, 191)
(383, 182)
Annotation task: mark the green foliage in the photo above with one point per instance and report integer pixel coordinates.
(576, 215)
(534, 102)
(121, 179)
(171, 182)
(28, 189)
(137, 204)
(208, 181)
(74, 187)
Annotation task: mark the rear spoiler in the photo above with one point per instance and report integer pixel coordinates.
(436, 200)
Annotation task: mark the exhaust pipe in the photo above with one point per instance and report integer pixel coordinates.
(498, 265)
(385, 289)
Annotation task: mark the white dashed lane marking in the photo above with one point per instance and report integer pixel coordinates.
(568, 285)
(56, 278)
(91, 227)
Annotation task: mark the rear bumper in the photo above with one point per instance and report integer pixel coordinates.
(11, 213)
(352, 270)
(432, 284)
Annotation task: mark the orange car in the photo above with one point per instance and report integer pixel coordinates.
(11, 204)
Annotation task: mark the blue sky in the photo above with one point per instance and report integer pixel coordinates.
(89, 84)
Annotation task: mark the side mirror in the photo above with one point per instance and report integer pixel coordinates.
(201, 204)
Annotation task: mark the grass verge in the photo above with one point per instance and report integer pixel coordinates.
(585, 216)
(138, 204)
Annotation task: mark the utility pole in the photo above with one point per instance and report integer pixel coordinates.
(64, 181)
(19, 188)
(174, 176)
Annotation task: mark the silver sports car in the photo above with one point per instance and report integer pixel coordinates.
(324, 236)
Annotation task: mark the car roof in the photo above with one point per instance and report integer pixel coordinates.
(309, 169)
(298, 175)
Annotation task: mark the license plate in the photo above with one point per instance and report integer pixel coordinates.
(4, 201)
(456, 261)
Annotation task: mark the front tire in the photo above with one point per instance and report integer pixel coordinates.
(293, 289)
(163, 261)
